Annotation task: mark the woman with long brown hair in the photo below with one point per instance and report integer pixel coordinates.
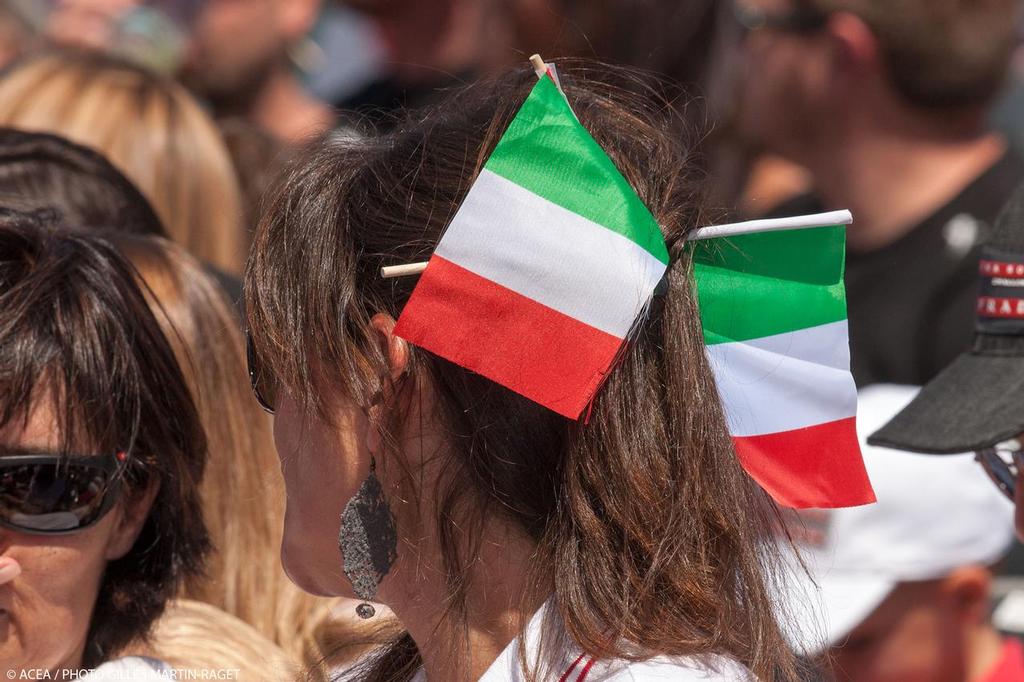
(511, 542)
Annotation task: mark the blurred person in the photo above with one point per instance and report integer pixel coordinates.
(148, 32)
(240, 62)
(519, 538)
(241, 578)
(101, 455)
(886, 106)
(193, 637)
(429, 48)
(15, 33)
(976, 404)
(901, 589)
(42, 172)
(148, 127)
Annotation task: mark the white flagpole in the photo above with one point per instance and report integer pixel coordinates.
(773, 225)
(730, 230)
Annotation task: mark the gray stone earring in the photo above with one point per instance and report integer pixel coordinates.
(368, 540)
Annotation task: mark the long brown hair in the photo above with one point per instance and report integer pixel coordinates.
(648, 532)
(243, 491)
(152, 130)
(75, 326)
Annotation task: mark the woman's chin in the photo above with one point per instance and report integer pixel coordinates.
(307, 578)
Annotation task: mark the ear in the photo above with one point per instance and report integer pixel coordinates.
(967, 589)
(132, 511)
(396, 350)
(297, 17)
(855, 49)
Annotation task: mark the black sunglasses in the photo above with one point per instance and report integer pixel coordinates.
(1002, 467)
(263, 385)
(50, 494)
(795, 21)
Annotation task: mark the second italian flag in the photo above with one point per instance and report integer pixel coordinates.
(552, 259)
(773, 308)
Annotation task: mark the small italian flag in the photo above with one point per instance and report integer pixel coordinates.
(545, 267)
(773, 308)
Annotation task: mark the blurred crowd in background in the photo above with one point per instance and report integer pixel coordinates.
(909, 114)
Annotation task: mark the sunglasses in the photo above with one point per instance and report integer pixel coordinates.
(1002, 465)
(796, 21)
(263, 385)
(50, 494)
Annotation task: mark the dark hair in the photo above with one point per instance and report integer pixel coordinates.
(74, 326)
(652, 538)
(939, 53)
(40, 170)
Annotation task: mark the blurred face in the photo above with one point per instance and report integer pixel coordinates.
(235, 46)
(783, 75)
(46, 610)
(916, 635)
(323, 465)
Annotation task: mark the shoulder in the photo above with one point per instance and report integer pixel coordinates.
(676, 669)
(138, 668)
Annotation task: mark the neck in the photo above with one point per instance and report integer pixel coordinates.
(494, 591)
(985, 647)
(894, 175)
(283, 108)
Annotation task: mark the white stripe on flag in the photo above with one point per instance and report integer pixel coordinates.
(525, 243)
(787, 381)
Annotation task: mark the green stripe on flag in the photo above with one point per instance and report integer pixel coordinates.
(759, 285)
(547, 151)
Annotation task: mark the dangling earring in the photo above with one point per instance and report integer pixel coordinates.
(368, 540)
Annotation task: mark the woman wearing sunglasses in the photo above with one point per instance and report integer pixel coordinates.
(101, 454)
(977, 403)
(512, 543)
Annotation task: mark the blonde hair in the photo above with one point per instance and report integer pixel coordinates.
(148, 126)
(242, 490)
(194, 636)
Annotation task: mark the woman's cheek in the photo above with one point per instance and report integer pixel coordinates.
(50, 604)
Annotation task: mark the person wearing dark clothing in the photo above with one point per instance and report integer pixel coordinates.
(886, 107)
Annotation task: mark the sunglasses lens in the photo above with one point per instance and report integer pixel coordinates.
(52, 497)
(263, 386)
(1002, 474)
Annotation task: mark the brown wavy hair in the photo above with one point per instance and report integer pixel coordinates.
(75, 326)
(649, 534)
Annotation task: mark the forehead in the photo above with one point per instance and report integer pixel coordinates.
(37, 430)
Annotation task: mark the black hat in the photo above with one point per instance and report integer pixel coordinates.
(978, 400)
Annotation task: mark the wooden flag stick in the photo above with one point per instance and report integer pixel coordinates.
(407, 270)
(539, 67)
(732, 230)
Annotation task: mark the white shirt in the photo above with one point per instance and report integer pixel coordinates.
(575, 667)
(134, 668)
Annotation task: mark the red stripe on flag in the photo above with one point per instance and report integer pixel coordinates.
(538, 352)
(819, 466)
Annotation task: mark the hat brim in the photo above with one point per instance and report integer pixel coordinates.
(820, 616)
(973, 404)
